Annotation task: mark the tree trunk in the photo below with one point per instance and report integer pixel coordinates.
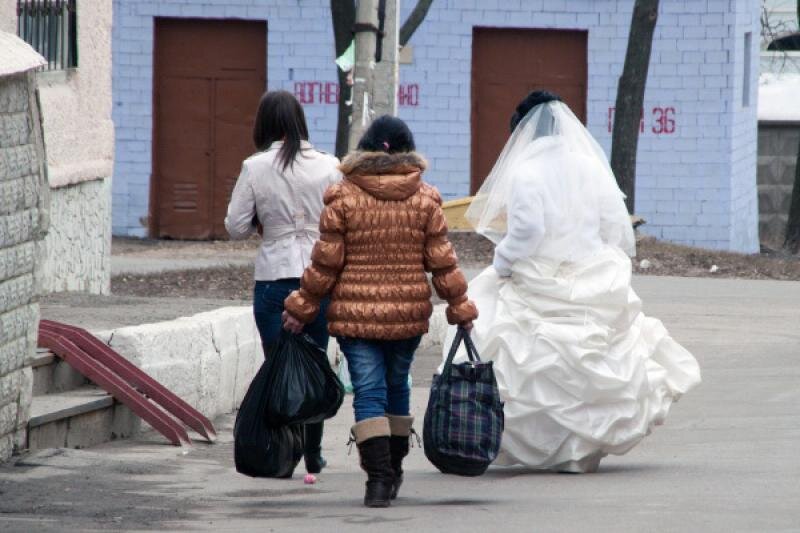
(364, 69)
(414, 20)
(792, 242)
(630, 97)
(343, 15)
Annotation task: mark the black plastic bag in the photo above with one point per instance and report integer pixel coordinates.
(260, 450)
(302, 387)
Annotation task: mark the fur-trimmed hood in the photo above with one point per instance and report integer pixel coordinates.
(385, 176)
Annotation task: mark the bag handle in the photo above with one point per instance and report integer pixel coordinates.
(472, 352)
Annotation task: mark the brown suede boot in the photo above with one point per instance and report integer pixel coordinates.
(372, 438)
(400, 427)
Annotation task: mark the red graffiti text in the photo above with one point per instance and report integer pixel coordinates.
(662, 121)
(317, 92)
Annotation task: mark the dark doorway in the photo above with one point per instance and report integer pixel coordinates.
(208, 78)
(506, 65)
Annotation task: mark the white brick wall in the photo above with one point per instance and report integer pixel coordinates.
(744, 195)
(696, 185)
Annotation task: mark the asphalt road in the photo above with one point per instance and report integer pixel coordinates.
(726, 460)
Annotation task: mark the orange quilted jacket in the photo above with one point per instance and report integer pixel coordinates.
(381, 230)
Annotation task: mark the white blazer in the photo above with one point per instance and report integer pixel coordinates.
(288, 204)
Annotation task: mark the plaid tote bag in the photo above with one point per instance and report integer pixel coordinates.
(464, 419)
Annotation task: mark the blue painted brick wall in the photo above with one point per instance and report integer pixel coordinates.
(696, 185)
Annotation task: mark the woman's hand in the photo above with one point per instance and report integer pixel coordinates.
(291, 324)
(467, 326)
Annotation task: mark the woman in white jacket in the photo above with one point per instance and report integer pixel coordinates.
(279, 194)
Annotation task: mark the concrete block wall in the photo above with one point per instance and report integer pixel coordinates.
(208, 359)
(689, 189)
(777, 160)
(78, 245)
(23, 207)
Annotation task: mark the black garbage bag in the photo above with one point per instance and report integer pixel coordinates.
(260, 450)
(302, 387)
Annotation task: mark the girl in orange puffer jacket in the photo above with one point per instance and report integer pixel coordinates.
(381, 230)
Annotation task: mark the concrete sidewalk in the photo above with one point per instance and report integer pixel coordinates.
(725, 461)
(97, 313)
(145, 256)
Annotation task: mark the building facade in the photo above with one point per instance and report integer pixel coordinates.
(75, 99)
(778, 122)
(23, 223)
(465, 68)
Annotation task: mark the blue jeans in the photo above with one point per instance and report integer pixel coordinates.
(268, 297)
(379, 372)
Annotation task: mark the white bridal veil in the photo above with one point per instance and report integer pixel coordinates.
(550, 149)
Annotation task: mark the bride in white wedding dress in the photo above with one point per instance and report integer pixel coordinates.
(582, 371)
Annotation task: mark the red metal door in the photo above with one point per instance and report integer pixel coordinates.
(506, 65)
(208, 77)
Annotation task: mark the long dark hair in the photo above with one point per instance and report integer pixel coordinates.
(387, 134)
(280, 117)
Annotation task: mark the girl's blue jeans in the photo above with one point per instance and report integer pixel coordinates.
(379, 372)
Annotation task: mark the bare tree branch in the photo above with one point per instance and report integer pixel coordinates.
(414, 20)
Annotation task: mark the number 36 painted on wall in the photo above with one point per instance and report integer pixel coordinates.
(663, 120)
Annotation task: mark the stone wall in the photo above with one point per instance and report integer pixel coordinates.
(692, 187)
(777, 157)
(78, 245)
(23, 220)
(208, 359)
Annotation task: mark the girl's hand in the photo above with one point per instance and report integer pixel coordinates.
(291, 324)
